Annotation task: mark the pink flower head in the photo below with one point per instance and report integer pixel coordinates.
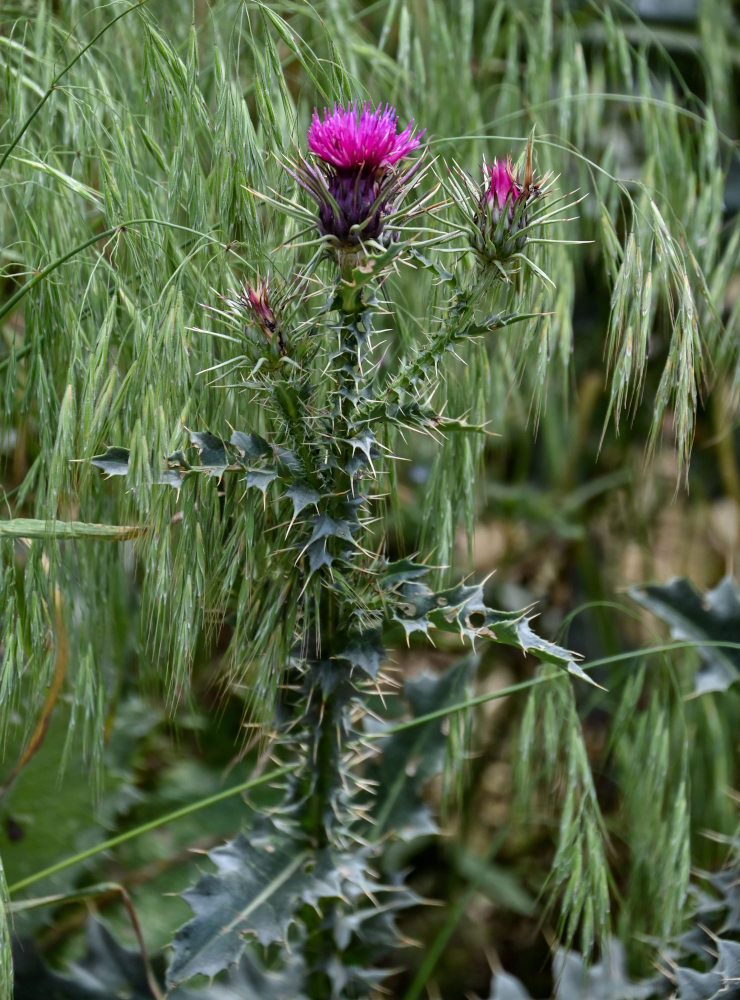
(502, 184)
(360, 137)
(354, 179)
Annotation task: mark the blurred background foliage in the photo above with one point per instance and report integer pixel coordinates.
(127, 207)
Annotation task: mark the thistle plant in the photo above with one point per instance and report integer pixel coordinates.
(268, 328)
(304, 877)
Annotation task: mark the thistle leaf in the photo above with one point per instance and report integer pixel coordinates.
(713, 616)
(326, 527)
(107, 970)
(463, 610)
(252, 446)
(251, 895)
(213, 455)
(318, 555)
(261, 478)
(507, 987)
(366, 651)
(113, 462)
(302, 496)
(605, 980)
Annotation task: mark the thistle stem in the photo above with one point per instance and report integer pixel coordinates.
(326, 727)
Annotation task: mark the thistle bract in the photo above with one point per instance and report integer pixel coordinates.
(355, 180)
(257, 298)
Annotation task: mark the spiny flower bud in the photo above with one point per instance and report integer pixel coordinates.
(256, 302)
(502, 217)
(354, 179)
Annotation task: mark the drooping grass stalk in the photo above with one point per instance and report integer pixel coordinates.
(154, 824)
(62, 73)
(44, 273)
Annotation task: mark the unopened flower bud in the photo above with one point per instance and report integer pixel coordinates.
(256, 301)
(501, 219)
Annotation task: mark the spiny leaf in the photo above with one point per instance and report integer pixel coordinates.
(605, 980)
(714, 616)
(213, 455)
(366, 443)
(365, 650)
(251, 895)
(318, 555)
(302, 496)
(507, 987)
(402, 571)
(463, 610)
(326, 527)
(114, 461)
(109, 970)
(252, 446)
(261, 478)
(106, 970)
(288, 463)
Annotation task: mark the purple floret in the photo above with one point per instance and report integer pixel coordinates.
(360, 137)
(502, 183)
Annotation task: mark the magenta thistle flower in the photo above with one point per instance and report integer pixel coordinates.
(368, 140)
(355, 180)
